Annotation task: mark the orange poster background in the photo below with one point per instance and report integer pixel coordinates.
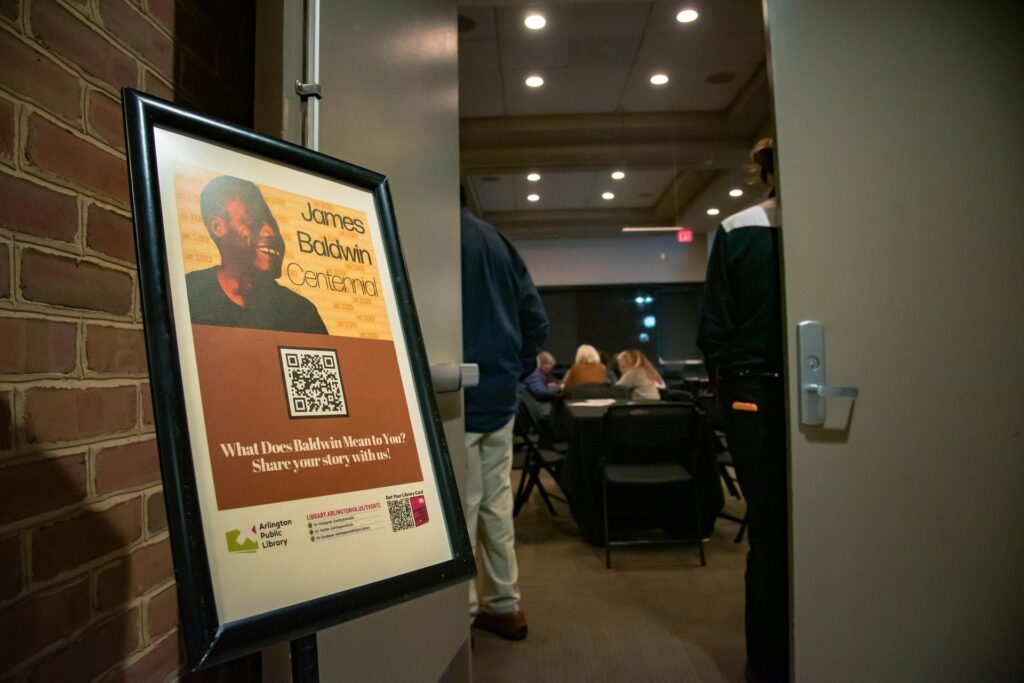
(343, 312)
(244, 401)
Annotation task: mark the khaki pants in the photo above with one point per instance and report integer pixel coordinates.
(488, 500)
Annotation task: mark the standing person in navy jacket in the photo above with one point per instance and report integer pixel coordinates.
(741, 337)
(503, 328)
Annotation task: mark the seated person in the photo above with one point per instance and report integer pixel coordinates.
(588, 369)
(541, 383)
(640, 375)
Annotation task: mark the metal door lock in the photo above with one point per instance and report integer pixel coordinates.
(813, 390)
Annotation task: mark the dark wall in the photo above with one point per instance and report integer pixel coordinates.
(612, 319)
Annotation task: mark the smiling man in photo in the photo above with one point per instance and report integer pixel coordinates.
(242, 291)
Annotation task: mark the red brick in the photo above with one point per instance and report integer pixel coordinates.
(146, 398)
(41, 619)
(125, 467)
(66, 34)
(37, 210)
(154, 86)
(157, 664)
(104, 119)
(110, 233)
(163, 11)
(93, 653)
(11, 582)
(156, 513)
(39, 79)
(70, 543)
(33, 345)
(6, 130)
(41, 486)
(50, 279)
(65, 156)
(162, 613)
(9, 9)
(133, 576)
(131, 26)
(6, 421)
(115, 349)
(5, 270)
(56, 414)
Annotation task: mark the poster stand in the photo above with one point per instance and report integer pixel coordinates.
(305, 469)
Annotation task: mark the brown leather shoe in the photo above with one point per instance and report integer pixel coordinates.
(508, 625)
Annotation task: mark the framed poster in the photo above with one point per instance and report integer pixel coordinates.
(306, 474)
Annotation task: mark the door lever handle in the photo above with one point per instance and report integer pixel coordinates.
(814, 390)
(833, 392)
(448, 377)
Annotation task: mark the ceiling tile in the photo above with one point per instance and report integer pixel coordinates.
(480, 95)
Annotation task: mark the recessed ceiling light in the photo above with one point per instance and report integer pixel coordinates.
(535, 21)
(686, 16)
(618, 175)
(736, 193)
(607, 195)
(533, 177)
(659, 79)
(533, 197)
(534, 81)
(713, 212)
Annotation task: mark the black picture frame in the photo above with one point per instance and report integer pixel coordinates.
(207, 640)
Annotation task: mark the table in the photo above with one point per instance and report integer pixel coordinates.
(580, 479)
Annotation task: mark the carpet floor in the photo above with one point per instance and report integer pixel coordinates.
(656, 615)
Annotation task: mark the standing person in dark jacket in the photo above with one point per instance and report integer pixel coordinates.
(741, 337)
(503, 327)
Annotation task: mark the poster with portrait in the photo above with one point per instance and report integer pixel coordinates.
(306, 474)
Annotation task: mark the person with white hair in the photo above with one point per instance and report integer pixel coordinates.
(588, 368)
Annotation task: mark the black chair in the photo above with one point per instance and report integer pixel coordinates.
(651, 447)
(579, 392)
(539, 451)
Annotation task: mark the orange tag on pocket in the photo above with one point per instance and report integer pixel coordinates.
(746, 407)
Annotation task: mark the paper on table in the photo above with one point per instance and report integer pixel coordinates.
(593, 402)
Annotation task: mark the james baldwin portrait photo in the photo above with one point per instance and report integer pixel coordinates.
(242, 291)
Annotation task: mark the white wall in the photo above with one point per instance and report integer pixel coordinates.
(615, 260)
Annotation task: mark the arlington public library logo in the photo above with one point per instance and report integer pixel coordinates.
(246, 545)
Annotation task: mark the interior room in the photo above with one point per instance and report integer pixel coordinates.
(606, 141)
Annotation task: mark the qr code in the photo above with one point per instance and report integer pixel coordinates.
(408, 512)
(401, 514)
(312, 382)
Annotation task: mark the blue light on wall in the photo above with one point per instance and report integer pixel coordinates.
(649, 321)
(644, 337)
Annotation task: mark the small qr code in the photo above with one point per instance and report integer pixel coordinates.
(312, 382)
(401, 514)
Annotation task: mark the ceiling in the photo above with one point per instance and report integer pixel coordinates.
(682, 145)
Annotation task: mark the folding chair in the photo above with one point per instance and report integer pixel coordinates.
(651, 446)
(540, 452)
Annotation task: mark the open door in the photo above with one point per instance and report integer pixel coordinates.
(388, 73)
(900, 137)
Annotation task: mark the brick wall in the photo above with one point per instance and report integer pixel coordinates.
(86, 582)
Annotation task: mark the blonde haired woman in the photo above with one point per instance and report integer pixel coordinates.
(640, 375)
(588, 368)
